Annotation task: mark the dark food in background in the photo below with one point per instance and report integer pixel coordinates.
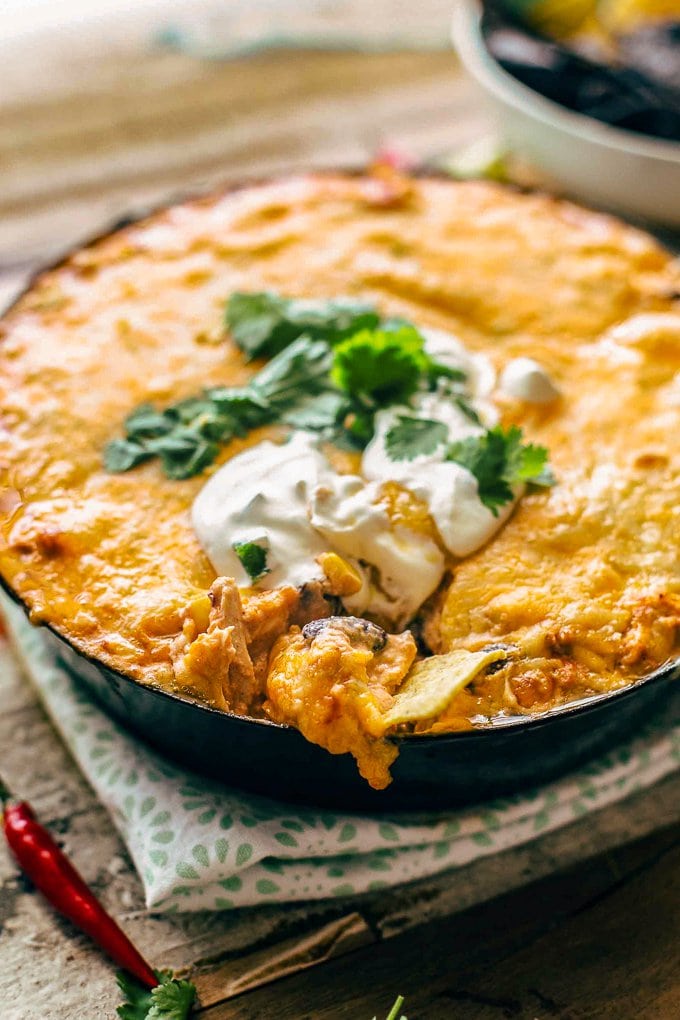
(655, 51)
(642, 94)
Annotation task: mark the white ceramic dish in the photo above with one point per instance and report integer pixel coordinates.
(605, 166)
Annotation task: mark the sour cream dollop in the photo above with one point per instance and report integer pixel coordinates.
(525, 379)
(400, 568)
(449, 490)
(288, 499)
(263, 496)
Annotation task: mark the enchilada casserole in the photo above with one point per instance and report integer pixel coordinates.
(359, 454)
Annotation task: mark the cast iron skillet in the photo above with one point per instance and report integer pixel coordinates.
(431, 771)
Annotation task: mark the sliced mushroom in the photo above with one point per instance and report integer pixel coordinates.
(356, 628)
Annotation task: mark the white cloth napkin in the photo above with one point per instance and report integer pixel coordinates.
(198, 845)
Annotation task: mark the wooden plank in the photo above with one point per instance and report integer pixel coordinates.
(602, 940)
(617, 957)
(292, 956)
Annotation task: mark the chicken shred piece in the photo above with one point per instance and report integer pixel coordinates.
(216, 664)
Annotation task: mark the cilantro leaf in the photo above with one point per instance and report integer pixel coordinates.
(137, 998)
(185, 436)
(332, 319)
(529, 463)
(383, 365)
(172, 999)
(188, 411)
(484, 457)
(255, 322)
(122, 455)
(253, 559)
(411, 437)
(316, 412)
(264, 323)
(499, 460)
(294, 373)
(242, 403)
(146, 422)
(183, 452)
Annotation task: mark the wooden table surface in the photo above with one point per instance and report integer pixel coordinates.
(583, 922)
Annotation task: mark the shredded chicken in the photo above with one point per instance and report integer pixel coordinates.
(222, 656)
(216, 663)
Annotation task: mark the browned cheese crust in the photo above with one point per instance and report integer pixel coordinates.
(585, 579)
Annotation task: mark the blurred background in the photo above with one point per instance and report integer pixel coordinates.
(110, 106)
(107, 105)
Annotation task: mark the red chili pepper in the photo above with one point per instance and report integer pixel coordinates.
(51, 872)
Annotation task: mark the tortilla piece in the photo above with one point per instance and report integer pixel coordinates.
(432, 683)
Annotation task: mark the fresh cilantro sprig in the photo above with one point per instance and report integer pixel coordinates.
(263, 323)
(500, 460)
(298, 372)
(382, 366)
(335, 364)
(253, 559)
(186, 436)
(172, 999)
(332, 379)
(497, 457)
(376, 368)
(321, 412)
(412, 437)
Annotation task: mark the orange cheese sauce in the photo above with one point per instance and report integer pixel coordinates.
(585, 579)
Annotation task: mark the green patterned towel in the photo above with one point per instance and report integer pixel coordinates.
(198, 845)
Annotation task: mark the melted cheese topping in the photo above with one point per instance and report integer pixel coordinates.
(584, 579)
